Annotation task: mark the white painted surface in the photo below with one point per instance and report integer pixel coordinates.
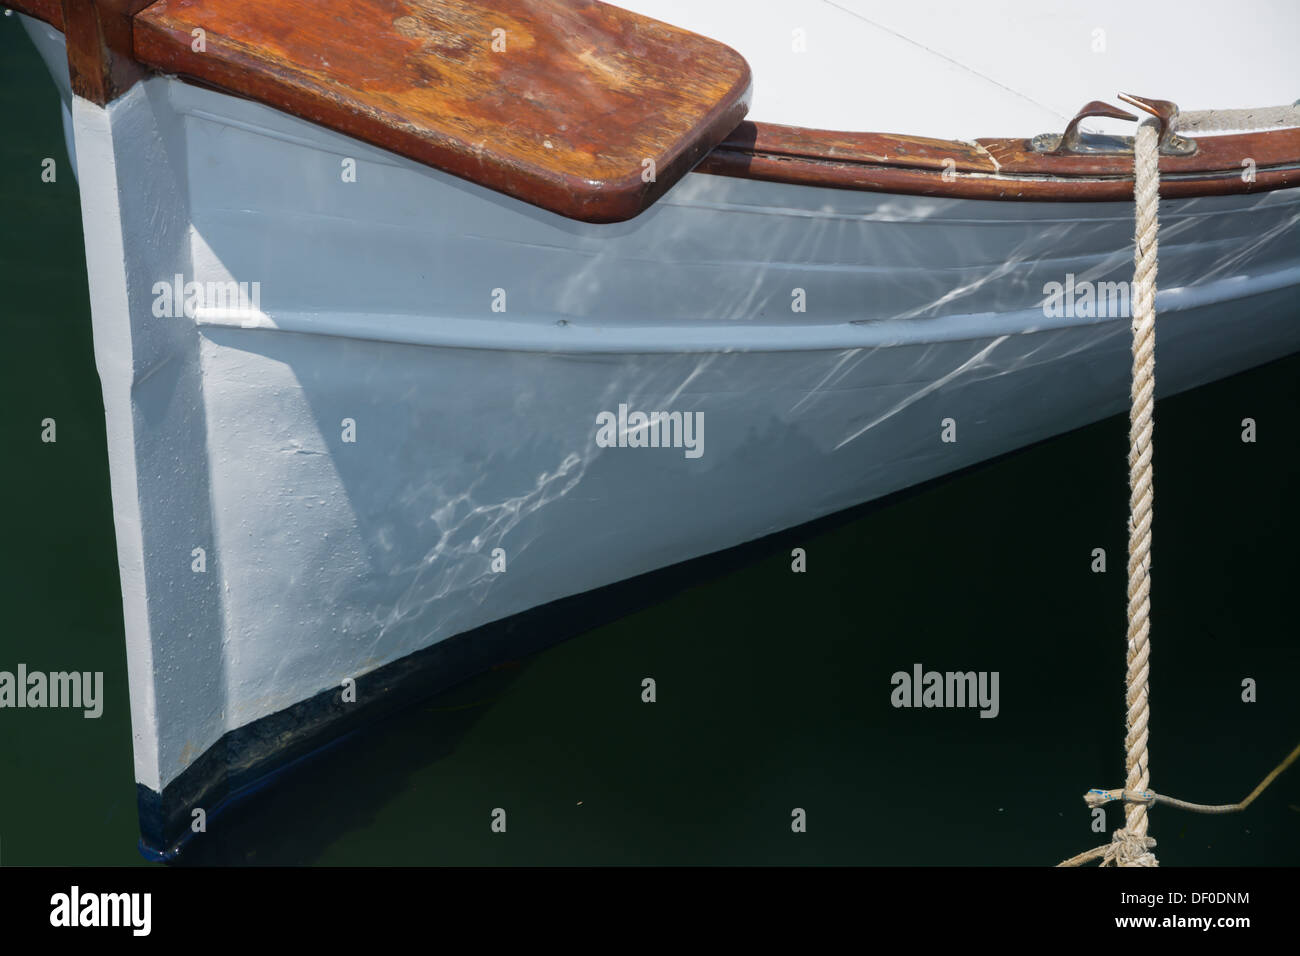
(105, 259)
(134, 216)
(476, 429)
(959, 69)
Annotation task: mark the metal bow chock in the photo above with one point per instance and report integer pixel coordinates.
(1076, 142)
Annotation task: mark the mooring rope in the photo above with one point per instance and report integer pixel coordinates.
(1133, 848)
(1130, 845)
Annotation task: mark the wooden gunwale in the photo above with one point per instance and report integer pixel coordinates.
(993, 169)
(1000, 169)
(996, 169)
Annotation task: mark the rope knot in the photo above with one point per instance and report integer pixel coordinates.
(1129, 849)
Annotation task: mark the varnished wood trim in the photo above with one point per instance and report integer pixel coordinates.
(882, 149)
(1214, 154)
(584, 96)
(1004, 169)
(51, 11)
(916, 182)
(999, 169)
(101, 63)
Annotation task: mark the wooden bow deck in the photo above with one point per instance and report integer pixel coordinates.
(584, 102)
(579, 107)
(585, 109)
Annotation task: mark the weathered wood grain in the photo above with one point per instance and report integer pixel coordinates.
(605, 88)
(101, 62)
(1000, 169)
(51, 11)
(1218, 153)
(885, 149)
(568, 111)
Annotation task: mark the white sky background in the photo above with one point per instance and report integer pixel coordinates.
(963, 69)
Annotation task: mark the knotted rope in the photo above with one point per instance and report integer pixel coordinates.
(1124, 847)
(1130, 845)
(1099, 798)
(1129, 849)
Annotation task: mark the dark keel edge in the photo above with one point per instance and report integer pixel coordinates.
(253, 757)
(250, 758)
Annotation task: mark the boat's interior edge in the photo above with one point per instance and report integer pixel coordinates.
(994, 168)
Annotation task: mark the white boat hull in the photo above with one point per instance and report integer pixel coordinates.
(469, 344)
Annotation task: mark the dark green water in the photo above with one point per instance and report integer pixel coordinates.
(773, 688)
